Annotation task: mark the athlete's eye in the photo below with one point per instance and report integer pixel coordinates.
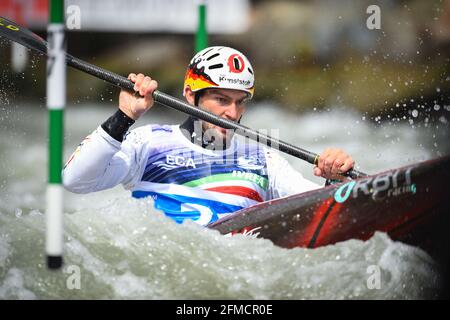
(242, 102)
(221, 100)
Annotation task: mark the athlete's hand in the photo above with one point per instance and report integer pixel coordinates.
(333, 162)
(134, 105)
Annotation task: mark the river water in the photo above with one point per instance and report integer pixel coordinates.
(123, 249)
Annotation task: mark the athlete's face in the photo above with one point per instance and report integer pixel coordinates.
(225, 103)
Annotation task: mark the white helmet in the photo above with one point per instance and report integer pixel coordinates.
(220, 67)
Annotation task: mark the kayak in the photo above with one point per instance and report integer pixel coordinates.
(411, 204)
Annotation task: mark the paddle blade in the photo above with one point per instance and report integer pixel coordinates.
(14, 32)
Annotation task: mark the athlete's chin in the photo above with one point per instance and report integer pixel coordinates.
(226, 134)
(223, 132)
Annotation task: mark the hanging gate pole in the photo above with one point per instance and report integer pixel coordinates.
(56, 100)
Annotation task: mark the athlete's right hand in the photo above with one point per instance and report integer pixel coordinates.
(134, 105)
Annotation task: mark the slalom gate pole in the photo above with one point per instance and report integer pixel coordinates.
(201, 37)
(56, 100)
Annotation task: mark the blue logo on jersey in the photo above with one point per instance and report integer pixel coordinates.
(179, 208)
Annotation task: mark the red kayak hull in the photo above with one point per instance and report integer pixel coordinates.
(410, 203)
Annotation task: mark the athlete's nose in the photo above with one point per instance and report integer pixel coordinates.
(232, 112)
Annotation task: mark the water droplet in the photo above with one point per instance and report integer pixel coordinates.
(18, 212)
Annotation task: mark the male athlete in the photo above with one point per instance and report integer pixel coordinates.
(195, 170)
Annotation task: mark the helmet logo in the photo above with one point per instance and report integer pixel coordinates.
(236, 63)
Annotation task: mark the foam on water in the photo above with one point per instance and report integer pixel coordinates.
(128, 250)
(124, 249)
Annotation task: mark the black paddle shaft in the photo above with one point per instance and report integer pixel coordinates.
(19, 34)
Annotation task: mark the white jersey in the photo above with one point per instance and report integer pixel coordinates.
(185, 180)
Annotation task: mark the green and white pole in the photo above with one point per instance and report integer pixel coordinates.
(56, 100)
(201, 37)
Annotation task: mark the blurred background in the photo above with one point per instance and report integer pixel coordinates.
(323, 78)
(306, 54)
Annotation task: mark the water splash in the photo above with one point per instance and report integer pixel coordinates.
(127, 250)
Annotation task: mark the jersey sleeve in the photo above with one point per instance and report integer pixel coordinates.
(100, 162)
(283, 179)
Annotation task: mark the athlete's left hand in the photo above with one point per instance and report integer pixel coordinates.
(332, 163)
